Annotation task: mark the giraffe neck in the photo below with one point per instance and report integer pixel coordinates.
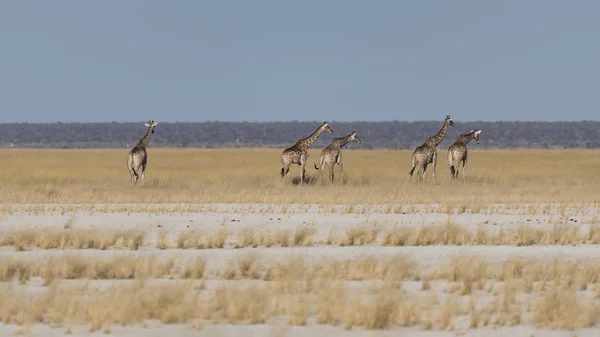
(467, 137)
(307, 142)
(340, 142)
(437, 139)
(145, 140)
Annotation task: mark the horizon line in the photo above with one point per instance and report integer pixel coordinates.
(313, 121)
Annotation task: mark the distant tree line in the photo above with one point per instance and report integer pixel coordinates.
(375, 135)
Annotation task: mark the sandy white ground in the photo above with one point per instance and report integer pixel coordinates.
(264, 330)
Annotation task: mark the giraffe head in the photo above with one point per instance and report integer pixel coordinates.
(449, 120)
(325, 127)
(151, 125)
(476, 135)
(354, 137)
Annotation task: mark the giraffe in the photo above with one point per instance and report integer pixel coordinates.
(332, 155)
(457, 152)
(137, 159)
(298, 153)
(427, 153)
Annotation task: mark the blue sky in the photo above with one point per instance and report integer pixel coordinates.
(342, 60)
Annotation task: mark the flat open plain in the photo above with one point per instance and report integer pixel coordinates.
(215, 244)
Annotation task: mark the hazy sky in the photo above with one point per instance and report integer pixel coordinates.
(343, 60)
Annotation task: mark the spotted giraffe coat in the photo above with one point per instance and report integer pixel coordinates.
(138, 158)
(457, 152)
(332, 154)
(427, 153)
(298, 153)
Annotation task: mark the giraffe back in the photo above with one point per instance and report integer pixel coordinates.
(458, 152)
(332, 152)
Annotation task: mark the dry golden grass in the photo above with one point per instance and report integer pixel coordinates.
(301, 291)
(456, 235)
(447, 234)
(201, 240)
(356, 236)
(72, 238)
(303, 236)
(72, 266)
(119, 305)
(564, 309)
(252, 175)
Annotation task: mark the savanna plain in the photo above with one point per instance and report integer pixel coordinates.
(214, 243)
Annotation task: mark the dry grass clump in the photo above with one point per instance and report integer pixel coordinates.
(176, 302)
(393, 269)
(466, 272)
(448, 234)
(244, 266)
(564, 309)
(238, 305)
(447, 312)
(202, 240)
(72, 238)
(331, 303)
(505, 309)
(163, 240)
(195, 269)
(303, 236)
(558, 272)
(376, 311)
(118, 305)
(558, 235)
(593, 236)
(452, 234)
(246, 237)
(79, 267)
(357, 236)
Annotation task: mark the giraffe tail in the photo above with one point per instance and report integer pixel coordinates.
(282, 172)
(413, 167)
(135, 173)
(452, 170)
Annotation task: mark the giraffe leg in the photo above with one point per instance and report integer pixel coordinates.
(331, 175)
(433, 165)
(285, 169)
(322, 175)
(135, 177)
(135, 170)
(455, 175)
(464, 166)
(302, 172)
(302, 163)
(143, 171)
(140, 173)
(322, 163)
(339, 162)
(131, 175)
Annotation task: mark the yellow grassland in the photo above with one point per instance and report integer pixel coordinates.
(252, 176)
